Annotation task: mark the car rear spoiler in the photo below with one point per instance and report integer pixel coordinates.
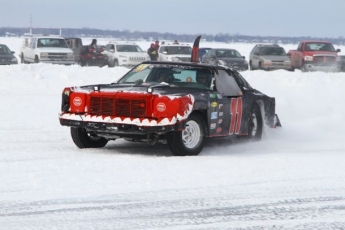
(195, 50)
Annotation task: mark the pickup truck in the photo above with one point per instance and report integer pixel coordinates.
(46, 49)
(315, 56)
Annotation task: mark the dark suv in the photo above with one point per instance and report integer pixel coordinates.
(269, 57)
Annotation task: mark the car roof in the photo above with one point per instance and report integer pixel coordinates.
(192, 64)
(122, 43)
(268, 45)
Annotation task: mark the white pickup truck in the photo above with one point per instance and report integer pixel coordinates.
(46, 49)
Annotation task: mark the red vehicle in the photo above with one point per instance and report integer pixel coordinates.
(315, 56)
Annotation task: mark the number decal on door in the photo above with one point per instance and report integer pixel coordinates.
(236, 115)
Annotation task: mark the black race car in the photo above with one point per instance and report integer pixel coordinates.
(178, 103)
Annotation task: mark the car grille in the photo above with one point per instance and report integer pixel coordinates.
(278, 63)
(57, 55)
(324, 59)
(137, 58)
(109, 106)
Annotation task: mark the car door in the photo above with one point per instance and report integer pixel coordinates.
(31, 50)
(226, 106)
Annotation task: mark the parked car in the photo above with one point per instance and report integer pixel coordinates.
(175, 103)
(174, 52)
(228, 57)
(121, 53)
(7, 56)
(269, 57)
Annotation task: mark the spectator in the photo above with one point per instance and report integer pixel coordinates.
(203, 79)
(156, 45)
(93, 44)
(175, 42)
(152, 52)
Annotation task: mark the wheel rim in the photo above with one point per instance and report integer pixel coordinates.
(191, 135)
(253, 125)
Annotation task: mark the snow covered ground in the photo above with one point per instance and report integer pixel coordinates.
(293, 179)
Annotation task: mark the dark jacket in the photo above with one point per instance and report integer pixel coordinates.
(153, 53)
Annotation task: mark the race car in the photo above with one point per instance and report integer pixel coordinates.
(176, 103)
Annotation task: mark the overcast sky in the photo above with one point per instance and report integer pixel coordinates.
(316, 18)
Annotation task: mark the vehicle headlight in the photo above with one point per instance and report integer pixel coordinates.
(288, 62)
(245, 62)
(14, 59)
(267, 62)
(308, 58)
(122, 56)
(175, 59)
(71, 55)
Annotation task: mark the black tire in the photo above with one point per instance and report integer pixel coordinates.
(255, 125)
(37, 60)
(190, 141)
(82, 63)
(22, 58)
(303, 68)
(260, 66)
(82, 139)
(251, 66)
(116, 63)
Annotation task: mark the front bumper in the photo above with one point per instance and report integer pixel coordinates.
(121, 129)
(57, 61)
(310, 66)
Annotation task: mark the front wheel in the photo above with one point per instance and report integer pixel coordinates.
(83, 139)
(190, 141)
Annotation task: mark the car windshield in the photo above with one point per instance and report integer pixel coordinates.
(4, 49)
(174, 75)
(228, 54)
(275, 51)
(178, 50)
(52, 42)
(128, 48)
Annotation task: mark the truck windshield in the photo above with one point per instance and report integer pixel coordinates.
(318, 46)
(51, 42)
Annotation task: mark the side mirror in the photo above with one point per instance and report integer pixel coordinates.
(243, 57)
(12, 52)
(338, 50)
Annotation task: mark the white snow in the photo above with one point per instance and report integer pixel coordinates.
(293, 179)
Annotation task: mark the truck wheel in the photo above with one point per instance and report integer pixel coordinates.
(303, 68)
(255, 125)
(116, 63)
(190, 141)
(83, 139)
(37, 60)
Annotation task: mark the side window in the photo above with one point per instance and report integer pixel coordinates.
(107, 47)
(226, 84)
(253, 50)
(299, 48)
(162, 49)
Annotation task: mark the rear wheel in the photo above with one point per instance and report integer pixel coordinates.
(22, 58)
(255, 125)
(190, 141)
(251, 66)
(37, 60)
(260, 66)
(83, 139)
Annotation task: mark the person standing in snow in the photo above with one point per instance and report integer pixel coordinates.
(152, 52)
